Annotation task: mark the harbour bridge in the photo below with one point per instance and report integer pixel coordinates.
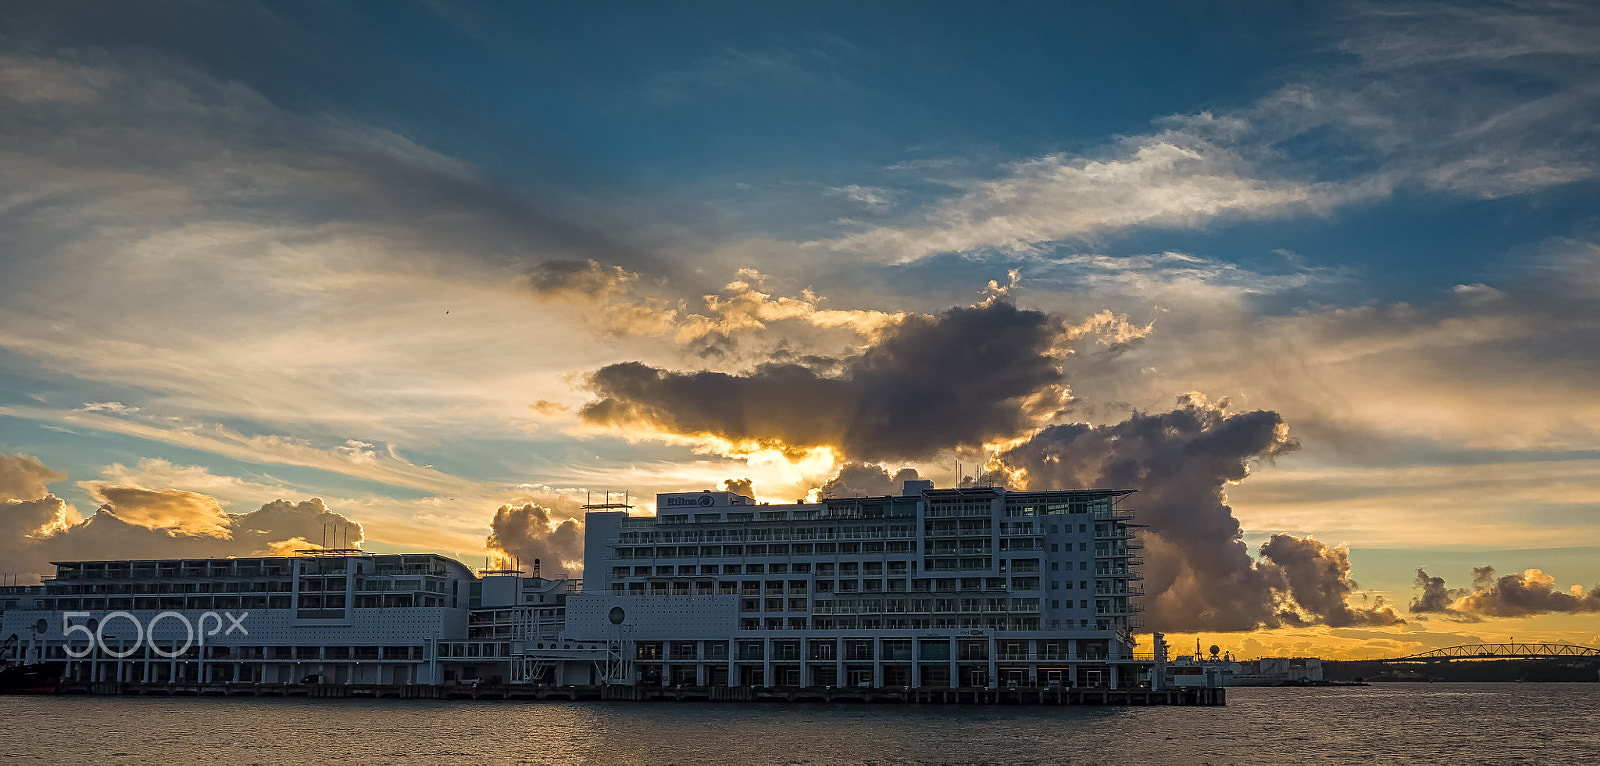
(1516, 651)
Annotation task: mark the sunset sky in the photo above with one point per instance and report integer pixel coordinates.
(438, 270)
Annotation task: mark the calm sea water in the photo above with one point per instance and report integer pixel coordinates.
(1394, 723)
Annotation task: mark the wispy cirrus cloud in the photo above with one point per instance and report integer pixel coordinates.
(1478, 102)
(735, 70)
(1170, 179)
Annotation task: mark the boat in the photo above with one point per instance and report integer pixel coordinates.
(38, 678)
(35, 678)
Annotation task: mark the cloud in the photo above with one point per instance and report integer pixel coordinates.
(115, 408)
(278, 270)
(1525, 594)
(352, 458)
(105, 535)
(873, 198)
(23, 477)
(172, 510)
(25, 525)
(1170, 179)
(1476, 101)
(930, 383)
(1200, 575)
(744, 305)
(1318, 580)
(744, 487)
(530, 534)
(1513, 35)
(31, 79)
(136, 522)
(733, 70)
(867, 480)
(1436, 598)
(583, 277)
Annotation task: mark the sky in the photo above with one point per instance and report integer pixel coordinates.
(1321, 281)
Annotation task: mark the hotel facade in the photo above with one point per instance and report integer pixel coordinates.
(944, 588)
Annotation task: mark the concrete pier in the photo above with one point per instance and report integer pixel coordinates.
(829, 694)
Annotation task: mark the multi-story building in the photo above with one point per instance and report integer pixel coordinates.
(972, 587)
(326, 617)
(933, 587)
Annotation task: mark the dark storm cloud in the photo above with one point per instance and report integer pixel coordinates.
(1199, 574)
(1520, 594)
(955, 379)
(1435, 598)
(525, 532)
(1318, 579)
(867, 480)
(744, 487)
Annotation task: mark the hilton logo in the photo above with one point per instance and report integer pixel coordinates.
(704, 501)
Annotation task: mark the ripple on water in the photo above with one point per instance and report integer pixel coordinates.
(1413, 723)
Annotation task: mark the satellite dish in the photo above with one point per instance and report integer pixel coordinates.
(1215, 649)
(616, 616)
(94, 624)
(41, 626)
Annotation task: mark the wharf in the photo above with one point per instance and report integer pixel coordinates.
(895, 695)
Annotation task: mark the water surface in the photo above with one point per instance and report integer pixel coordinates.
(1445, 723)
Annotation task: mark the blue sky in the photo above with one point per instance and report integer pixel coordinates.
(233, 231)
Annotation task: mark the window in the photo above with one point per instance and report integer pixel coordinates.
(1056, 585)
(1055, 566)
(1083, 547)
(1055, 604)
(1055, 548)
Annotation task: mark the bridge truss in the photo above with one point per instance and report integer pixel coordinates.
(1517, 651)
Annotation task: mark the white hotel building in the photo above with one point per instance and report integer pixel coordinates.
(976, 587)
(930, 588)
